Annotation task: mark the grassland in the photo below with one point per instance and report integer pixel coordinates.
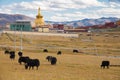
(70, 66)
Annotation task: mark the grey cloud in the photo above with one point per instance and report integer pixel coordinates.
(114, 0)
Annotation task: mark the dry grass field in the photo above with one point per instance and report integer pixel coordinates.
(84, 65)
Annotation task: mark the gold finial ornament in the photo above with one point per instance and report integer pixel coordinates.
(39, 21)
(39, 11)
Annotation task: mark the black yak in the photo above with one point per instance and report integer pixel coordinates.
(45, 50)
(6, 52)
(49, 58)
(23, 59)
(52, 59)
(105, 64)
(20, 54)
(75, 51)
(12, 55)
(31, 63)
(59, 53)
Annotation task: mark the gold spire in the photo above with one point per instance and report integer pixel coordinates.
(39, 19)
(39, 11)
(39, 15)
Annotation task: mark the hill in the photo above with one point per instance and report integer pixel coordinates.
(9, 18)
(87, 22)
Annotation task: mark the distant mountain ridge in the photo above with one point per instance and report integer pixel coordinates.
(87, 22)
(9, 18)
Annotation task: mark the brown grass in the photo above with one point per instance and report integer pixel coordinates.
(70, 66)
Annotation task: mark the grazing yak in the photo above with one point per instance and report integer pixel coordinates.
(20, 54)
(6, 52)
(23, 59)
(12, 55)
(45, 50)
(105, 64)
(31, 63)
(52, 60)
(49, 58)
(59, 53)
(75, 51)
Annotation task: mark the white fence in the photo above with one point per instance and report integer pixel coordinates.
(44, 34)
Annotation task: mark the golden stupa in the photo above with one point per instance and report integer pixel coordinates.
(39, 21)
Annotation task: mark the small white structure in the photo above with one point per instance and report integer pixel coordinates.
(43, 29)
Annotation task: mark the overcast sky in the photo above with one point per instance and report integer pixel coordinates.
(62, 10)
